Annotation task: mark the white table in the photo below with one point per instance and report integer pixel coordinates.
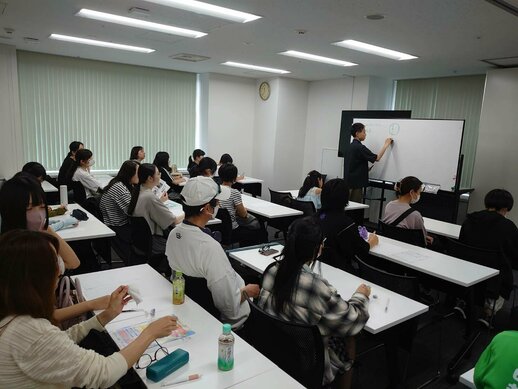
(439, 227)
(352, 206)
(48, 187)
(250, 180)
(92, 228)
(467, 379)
(177, 210)
(400, 308)
(202, 346)
(445, 267)
(267, 209)
(272, 379)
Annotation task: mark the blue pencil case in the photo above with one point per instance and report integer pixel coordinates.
(172, 362)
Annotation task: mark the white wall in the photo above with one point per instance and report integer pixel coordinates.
(11, 154)
(230, 122)
(496, 158)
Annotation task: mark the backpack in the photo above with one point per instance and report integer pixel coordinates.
(69, 293)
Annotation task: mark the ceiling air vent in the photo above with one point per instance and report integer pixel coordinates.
(510, 6)
(30, 39)
(189, 57)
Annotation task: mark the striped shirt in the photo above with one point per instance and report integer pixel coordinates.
(230, 205)
(114, 205)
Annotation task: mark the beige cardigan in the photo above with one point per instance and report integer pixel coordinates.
(35, 353)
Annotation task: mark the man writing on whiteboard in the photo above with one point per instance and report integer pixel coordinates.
(358, 165)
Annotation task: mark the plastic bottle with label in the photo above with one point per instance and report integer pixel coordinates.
(178, 288)
(226, 349)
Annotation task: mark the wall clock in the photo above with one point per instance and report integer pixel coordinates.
(264, 90)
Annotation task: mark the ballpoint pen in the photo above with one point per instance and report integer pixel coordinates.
(192, 377)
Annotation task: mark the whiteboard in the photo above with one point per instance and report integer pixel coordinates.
(426, 148)
(331, 164)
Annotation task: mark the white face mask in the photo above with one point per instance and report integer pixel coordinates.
(91, 162)
(36, 218)
(413, 201)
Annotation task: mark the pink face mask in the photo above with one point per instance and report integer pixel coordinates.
(36, 218)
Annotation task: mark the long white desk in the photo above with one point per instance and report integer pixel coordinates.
(439, 227)
(400, 308)
(202, 346)
(48, 187)
(352, 206)
(267, 209)
(92, 228)
(467, 379)
(438, 265)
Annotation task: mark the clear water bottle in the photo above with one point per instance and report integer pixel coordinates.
(178, 288)
(226, 349)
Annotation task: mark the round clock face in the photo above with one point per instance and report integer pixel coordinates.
(264, 90)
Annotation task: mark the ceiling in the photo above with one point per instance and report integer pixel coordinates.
(449, 37)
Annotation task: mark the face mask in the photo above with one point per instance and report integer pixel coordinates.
(61, 265)
(91, 162)
(36, 218)
(413, 201)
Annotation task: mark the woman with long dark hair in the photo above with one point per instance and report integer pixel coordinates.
(34, 352)
(292, 291)
(311, 188)
(146, 204)
(137, 154)
(162, 162)
(80, 172)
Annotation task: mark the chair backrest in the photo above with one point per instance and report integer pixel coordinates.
(305, 206)
(297, 349)
(197, 290)
(281, 198)
(403, 284)
(411, 236)
(225, 227)
(79, 192)
(141, 240)
(483, 257)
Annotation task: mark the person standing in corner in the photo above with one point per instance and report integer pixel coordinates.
(358, 165)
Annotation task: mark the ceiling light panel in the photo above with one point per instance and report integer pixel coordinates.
(137, 23)
(208, 9)
(255, 67)
(93, 42)
(375, 50)
(316, 58)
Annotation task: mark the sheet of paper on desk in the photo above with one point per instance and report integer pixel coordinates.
(124, 336)
(411, 256)
(388, 248)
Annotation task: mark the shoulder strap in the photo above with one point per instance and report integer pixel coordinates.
(402, 217)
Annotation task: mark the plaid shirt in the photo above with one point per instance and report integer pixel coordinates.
(315, 301)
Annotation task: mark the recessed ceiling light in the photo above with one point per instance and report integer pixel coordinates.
(208, 9)
(376, 50)
(316, 58)
(255, 67)
(105, 17)
(94, 42)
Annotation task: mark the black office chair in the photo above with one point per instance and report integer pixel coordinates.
(142, 247)
(78, 191)
(225, 227)
(297, 349)
(411, 236)
(197, 290)
(281, 198)
(307, 207)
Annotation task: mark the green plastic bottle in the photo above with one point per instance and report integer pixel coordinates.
(178, 288)
(226, 349)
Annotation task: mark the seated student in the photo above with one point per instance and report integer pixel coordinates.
(115, 201)
(80, 172)
(408, 191)
(146, 204)
(343, 240)
(497, 366)
(206, 168)
(137, 154)
(226, 158)
(162, 161)
(36, 353)
(192, 250)
(490, 229)
(293, 292)
(192, 166)
(68, 162)
(311, 188)
(245, 230)
(38, 171)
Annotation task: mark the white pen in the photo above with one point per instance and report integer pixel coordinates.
(386, 306)
(192, 377)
